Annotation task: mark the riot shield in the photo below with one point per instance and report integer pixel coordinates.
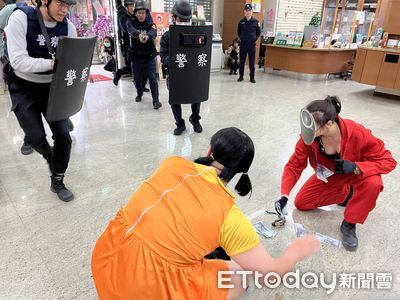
(189, 63)
(74, 58)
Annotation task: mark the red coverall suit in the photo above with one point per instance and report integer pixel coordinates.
(357, 145)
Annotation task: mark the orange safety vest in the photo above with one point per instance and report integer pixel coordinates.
(163, 256)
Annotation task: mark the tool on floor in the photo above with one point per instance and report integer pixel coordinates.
(282, 220)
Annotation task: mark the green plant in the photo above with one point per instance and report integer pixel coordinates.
(315, 20)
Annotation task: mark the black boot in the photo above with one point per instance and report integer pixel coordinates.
(117, 77)
(349, 237)
(58, 187)
(26, 149)
(180, 128)
(196, 124)
(157, 105)
(138, 98)
(349, 195)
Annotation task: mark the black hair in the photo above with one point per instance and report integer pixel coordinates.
(109, 38)
(236, 40)
(326, 110)
(234, 149)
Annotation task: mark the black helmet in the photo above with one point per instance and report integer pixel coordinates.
(182, 9)
(141, 5)
(128, 2)
(68, 2)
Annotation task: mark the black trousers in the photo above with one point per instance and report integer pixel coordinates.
(143, 69)
(250, 50)
(177, 111)
(29, 103)
(127, 69)
(233, 64)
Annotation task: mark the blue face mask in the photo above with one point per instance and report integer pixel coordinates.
(108, 45)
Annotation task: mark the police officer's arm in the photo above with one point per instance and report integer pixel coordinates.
(132, 31)
(17, 46)
(239, 29)
(258, 30)
(164, 44)
(152, 33)
(123, 26)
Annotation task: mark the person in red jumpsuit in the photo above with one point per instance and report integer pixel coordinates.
(348, 161)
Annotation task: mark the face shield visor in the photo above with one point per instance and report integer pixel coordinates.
(308, 126)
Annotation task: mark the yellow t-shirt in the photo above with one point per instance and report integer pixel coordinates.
(237, 234)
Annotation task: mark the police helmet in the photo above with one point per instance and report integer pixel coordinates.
(141, 5)
(128, 2)
(68, 2)
(182, 9)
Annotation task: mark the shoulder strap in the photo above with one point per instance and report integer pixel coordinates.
(45, 33)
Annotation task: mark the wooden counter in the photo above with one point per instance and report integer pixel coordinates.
(377, 66)
(309, 60)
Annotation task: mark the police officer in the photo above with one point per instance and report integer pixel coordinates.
(29, 89)
(181, 15)
(125, 13)
(143, 51)
(123, 17)
(248, 31)
(5, 14)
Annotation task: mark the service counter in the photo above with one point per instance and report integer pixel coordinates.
(309, 60)
(379, 67)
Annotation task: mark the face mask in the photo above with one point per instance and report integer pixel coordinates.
(107, 45)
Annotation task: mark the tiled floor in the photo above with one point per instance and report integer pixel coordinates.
(45, 244)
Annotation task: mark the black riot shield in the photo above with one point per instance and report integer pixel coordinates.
(74, 58)
(189, 63)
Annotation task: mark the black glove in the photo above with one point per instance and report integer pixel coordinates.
(280, 205)
(344, 166)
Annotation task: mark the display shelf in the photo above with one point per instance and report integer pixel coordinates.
(347, 21)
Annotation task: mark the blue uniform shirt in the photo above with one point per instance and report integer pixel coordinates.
(164, 48)
(248, 31)
(139, 49)
(123, 19)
